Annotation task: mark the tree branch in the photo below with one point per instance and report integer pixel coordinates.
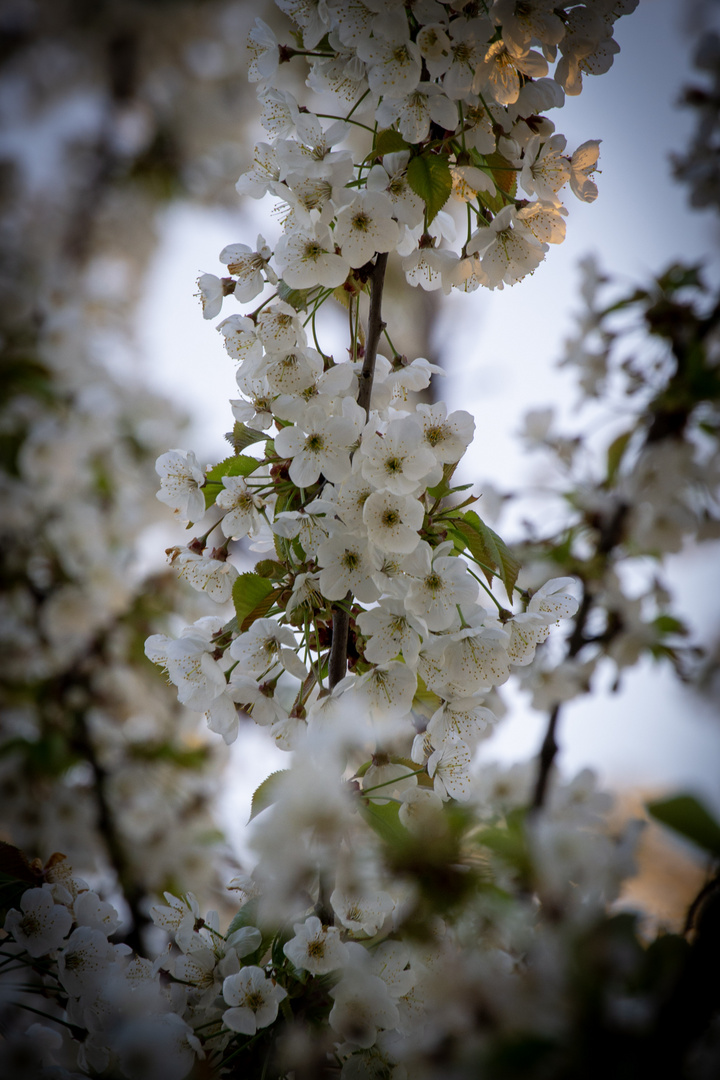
(374, 330)
(337, 662)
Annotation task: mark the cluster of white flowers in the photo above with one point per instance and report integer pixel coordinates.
(452, 93)
(406, 908)
(349, 499)
(384, 996)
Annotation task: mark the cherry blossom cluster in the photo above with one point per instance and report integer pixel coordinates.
(448, 98)
(383, 998)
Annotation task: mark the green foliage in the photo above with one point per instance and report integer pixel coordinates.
(253, 596)
(389, 141)
(384, 821)
(243, 436)
(615, 453)
(488, 549)
(233, 466)
(509, 842)
(429, 176)
(687, 816)
(267, 792)
(504, 176)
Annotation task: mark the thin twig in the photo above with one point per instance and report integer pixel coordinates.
(337, 662)
(610, 536)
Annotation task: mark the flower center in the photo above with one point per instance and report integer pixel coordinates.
(390, 518)
(435, 435)
(315, 443)
(361, 221)
(316, 948)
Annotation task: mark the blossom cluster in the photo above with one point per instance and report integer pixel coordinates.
(385, 999)
(453, 96)
(350, 500)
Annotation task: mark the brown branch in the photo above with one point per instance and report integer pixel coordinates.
(337, 662)
(611, 535)
(374, 330)
(549, 748)
(114, 845)
(546, 758)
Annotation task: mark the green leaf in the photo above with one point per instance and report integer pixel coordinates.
(490, 550)
(389, 141)
(238, 465)
(615, 452)
(425, 701)
(429, 177)
(297, 298)
(249, 594)
(243, 436)
(266, 794)
(668, 624)
(246, 916)
(383, 819)
(269, 568)
(183, 757)
(687, 816)
(509, 841)
(504, 176)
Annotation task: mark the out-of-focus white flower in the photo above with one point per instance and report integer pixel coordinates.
(41, 925)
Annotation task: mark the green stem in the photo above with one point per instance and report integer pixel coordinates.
(395, 780)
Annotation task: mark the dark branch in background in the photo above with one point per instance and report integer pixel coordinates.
(117, 856)
(337, 663)
(610, 536)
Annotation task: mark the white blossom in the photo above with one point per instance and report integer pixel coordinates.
(254, 1000)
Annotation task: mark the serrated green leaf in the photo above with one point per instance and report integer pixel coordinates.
(249, 593)
(239, 465)
(490, 550)
(243, 436)
(687, 816)
(429, 177)
(615, 452)
(269, 568)
(266, 794)
(389, 141)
